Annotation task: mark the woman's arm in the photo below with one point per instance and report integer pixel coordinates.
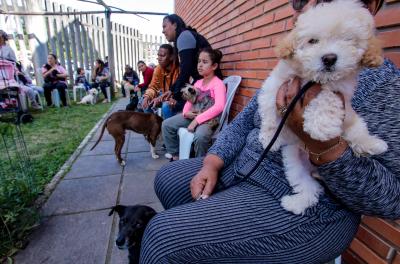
(367, 185)
(364, 185)
(155, 85)
(232, 138)
(147, 76)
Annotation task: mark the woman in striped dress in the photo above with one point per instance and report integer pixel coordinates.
(246, 223)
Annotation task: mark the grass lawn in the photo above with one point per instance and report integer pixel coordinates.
(50, 139)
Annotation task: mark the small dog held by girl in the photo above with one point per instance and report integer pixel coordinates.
(194, 120)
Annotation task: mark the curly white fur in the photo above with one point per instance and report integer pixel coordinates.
(90, 98)
(342, 29)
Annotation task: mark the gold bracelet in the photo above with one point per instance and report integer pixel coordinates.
(318, 155)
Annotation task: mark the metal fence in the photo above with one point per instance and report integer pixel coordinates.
(77, 39)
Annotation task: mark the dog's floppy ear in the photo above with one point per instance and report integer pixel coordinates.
(118, 208)
(285, 47)
(373, 55)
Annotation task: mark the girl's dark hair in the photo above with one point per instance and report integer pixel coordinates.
(78, 70)
(54, 56)
(102, 66)
(141, 62)
(215, 56)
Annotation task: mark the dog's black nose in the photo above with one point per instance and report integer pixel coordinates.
(329, 59)
(120, 241)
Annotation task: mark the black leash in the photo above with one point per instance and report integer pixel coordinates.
(277, 132)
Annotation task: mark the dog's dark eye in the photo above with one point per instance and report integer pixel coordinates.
(313, 41)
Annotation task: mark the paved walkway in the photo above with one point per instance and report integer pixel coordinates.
(76, 227)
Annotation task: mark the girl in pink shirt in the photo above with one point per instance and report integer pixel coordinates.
(211, 85)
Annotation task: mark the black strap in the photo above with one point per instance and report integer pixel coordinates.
(277, 132)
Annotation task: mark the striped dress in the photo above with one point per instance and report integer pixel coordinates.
(246, 224)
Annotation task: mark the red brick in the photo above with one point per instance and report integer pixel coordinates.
(374, 242)
(284, 12)
(388, 17)
(273, 28)
(348, 257)
(267, 53)
(382, 227)
(260, 43)
(390, 38)
(249, 55)
(246, 6)
(365, 252)
(253, 83)
(254, 12)
(272, 4)
(255, 33)
(263, 20)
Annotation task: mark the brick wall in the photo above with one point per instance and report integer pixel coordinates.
(246, 32)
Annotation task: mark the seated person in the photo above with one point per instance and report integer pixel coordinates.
(6, 52)
(55, 77)
(81, 79)
(147, 73)
(129, 80)
(26, 86)
(164, 75)
(100, 78)
(208, 67)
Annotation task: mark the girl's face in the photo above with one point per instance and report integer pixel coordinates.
(142, 67)
(163, 57)
(51, 60)
(169, 30)
(205, 66)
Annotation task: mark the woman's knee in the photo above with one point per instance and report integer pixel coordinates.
(156, 240)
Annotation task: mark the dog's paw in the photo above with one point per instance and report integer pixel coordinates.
(372, 146)
(123, 163)
(298, 203)
(155, 156)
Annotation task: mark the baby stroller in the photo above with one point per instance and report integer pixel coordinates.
(11, 95)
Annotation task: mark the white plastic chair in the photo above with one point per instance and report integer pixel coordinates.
(186, 137)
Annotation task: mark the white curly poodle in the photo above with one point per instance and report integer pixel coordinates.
(329, 45)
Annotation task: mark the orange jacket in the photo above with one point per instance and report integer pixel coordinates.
(161, 81)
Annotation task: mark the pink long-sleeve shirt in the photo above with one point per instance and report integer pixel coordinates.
(217, 92)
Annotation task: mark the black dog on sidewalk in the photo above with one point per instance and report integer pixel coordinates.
(132, 223)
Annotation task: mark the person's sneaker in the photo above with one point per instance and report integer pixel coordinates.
(105, 101)
(168, 155)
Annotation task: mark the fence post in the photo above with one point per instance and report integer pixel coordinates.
(78, 36)
(110, 50)
(85, 43)
(68, 64)
(37, 40)
(71, 25)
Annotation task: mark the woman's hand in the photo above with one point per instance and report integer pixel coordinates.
(203, 184)
(156, 101)
(146, 102)
(165, 96)
(192, 126)
(191, 115)
(171, 102)
(295, 121)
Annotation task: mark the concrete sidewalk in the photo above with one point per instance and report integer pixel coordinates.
(76, 227)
